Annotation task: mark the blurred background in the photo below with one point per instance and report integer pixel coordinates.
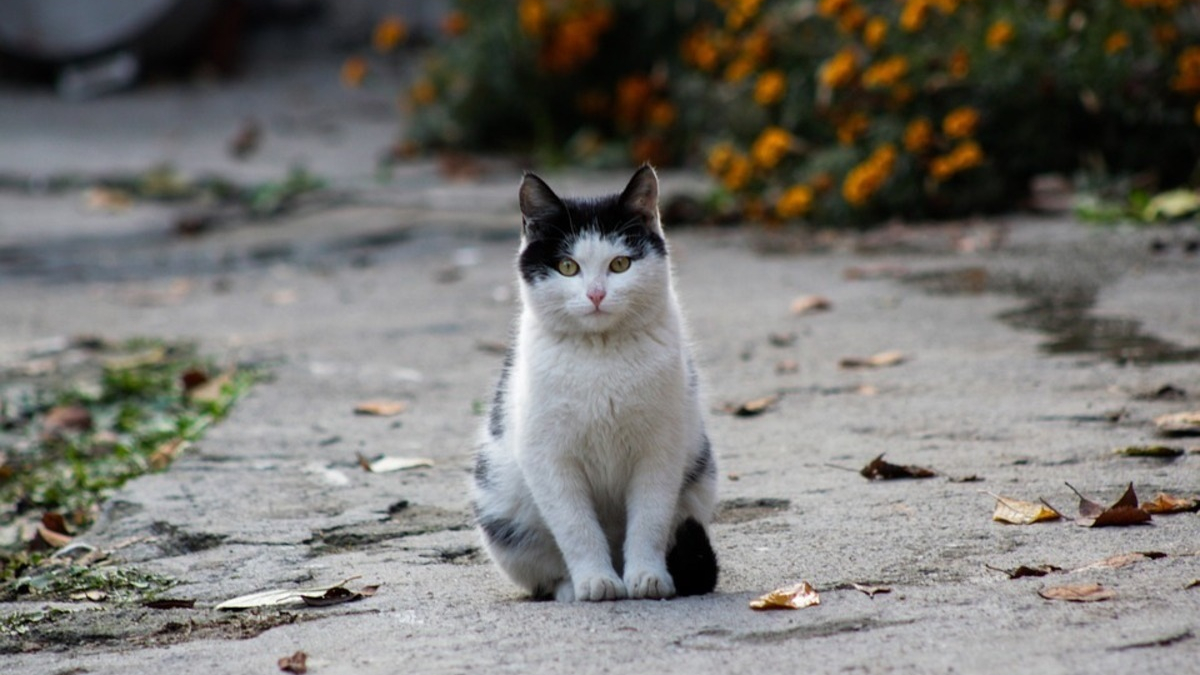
(827, 112)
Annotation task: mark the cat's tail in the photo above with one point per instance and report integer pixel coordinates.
(691, 561)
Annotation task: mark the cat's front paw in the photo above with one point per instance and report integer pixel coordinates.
(649, 583)
(599, 587)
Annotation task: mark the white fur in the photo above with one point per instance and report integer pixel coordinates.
(601, 428)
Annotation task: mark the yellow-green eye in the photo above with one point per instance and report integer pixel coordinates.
(568, 267)
(619, 264)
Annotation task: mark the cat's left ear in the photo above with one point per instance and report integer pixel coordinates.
(641, 196)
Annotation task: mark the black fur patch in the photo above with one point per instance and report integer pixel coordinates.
(551, 236)
(702, 466)
(483, 469)
(496, 416)
(504, 532)
(692, 562)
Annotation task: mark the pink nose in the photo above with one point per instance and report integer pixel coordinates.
(596, 295)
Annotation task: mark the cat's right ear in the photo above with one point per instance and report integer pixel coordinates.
(540, 207)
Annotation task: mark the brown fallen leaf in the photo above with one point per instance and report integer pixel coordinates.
(1078, 593)
(880, 360)
(1165, 503)
(1194, 583)
(338, 595)
(166, 453)
(1122, 560)
(170, 603)
(878, 469)
(212, 389)
(752, 407)
(296, 663)
(192, 378)
(1179, 424)
(782, 339)
(110, 200)
(797, 596)
(1018, 512)
(874, 272)
(1125, 511)
(787, 367)
(67, 418)
(872, 591)
(385, 464)
(1156, 451)
(1027, 570)
(807, 304)
(380, 408)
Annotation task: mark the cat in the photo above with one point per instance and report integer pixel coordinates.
(595, 478)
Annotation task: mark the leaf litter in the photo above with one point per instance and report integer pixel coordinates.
(323, 596)
(1078, 593)
(380, 408)
(796, 596)
(1164, 503)
(808, 304)
(1125, 511)
(1179, 424)
(296, 663)
(1019, 512)
(385, 464)
(880, 360)
(877, 469)
(1153, 451)
(751, 408)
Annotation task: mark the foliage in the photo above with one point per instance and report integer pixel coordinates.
(843, 111)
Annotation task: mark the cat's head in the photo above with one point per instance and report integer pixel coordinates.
(594, 265)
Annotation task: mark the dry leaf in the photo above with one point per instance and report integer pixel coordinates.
(1165, 503)
(1078, 593)
(212, 389)
(1179, 424)
(50, 538)
(878, 469)
(807, 304)
(1194, 583)
(166, 453)
(384, 464)
(1158, 451)
(1123, 560)
(380, 408)
(752, 407)
(63, 418)
(1027, 571)
(296, 663)
(108, 199)
(880, 360)
(874, 272)
(782, 339)
(872, 591)
(170, 603)
(278, 597)
(1019, 512)
(1125, 511)
(798, 596)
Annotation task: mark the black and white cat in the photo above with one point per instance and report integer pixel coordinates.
(595, 479)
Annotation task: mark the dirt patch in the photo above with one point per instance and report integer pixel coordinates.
(403, 520)
(744, 509)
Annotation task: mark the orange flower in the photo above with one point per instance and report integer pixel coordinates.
(964, 156)
(740, 69)
(455, 24)
(719, 158)
(389, 34)
(662, 114)
(700, 51)
(770, 88)
(912, 17)
(1165, 33)
(852, 19)
(531, 14)
(423, 92)
(354, 70)
(918, 135)
(839, 70)
(794, 202)
(832, 7)
(960, 122)
(1187, 78)
(999, 34)
(737, 174)
(770, 147)
(1118, 41)
(865, 179)
(875, 32)
(885, 73)
(852, 128)
(633, 95)
(960, 64)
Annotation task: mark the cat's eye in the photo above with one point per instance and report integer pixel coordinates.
(619, 264)
(568, 267)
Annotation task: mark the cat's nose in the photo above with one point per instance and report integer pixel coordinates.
(596, 295)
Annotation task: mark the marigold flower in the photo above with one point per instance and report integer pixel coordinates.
(960, 122)
(719, 158)
(1187, 78)
(852, 128)
(960, 64)
(865, 179)
(839, 70)
(739, 69)
(918, 135)
(852, 19)
(770, 88)
(531, 15)
(875, 32)
(700, 51)
(455, 23)
(794, 202)
(1165, 33)
(964, 156)
(423, 92)
(885, 73)
(1118, 41)
(912, 16)
(770, 147)
(662, 114)
(633, 95)
(389, 34)
(737, 174)
(740, 12)
(832, 7)
(354, 70)
(999, 34)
